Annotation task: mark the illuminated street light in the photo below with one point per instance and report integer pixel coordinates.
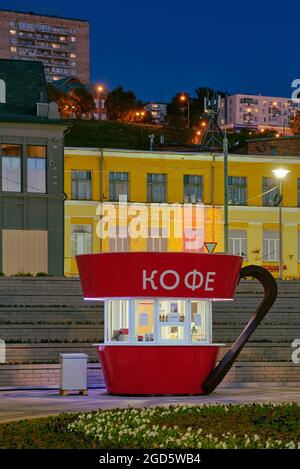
(184, 97)
(280, 174)
(100, 91)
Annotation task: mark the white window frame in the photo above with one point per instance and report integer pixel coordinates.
(84, 235)
(238, 237)
(270, 246)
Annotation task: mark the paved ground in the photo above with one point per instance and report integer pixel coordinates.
(16, 405)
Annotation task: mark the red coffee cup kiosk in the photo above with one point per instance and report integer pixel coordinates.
(158, 317)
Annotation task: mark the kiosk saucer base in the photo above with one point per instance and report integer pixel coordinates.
(152, 370)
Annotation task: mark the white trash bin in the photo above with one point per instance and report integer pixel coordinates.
(73, 373)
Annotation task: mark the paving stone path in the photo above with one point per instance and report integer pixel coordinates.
(24, 404)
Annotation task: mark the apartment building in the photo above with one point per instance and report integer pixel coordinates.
(157, 110)
(255, 112)
(61, 44)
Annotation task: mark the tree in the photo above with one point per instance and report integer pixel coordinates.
(120, 103)
(76, 101)
(82, 101)
(177, 109)
(295, 123)
(177, 112)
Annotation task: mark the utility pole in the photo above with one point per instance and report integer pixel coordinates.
(225, 153)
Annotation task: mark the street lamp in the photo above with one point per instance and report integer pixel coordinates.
(183, 98)
(100, 90)
(280, 174)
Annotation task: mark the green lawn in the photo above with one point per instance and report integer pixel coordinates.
(216, 426)
(106, 134)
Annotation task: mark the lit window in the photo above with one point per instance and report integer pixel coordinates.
(199, 321)
(172, 318)
(73, 39)
(144, 321)
(36, 168)
(73, 56)
(117, 321)
(13, 31)
(62, 38)
(13, 49)
(11, 167)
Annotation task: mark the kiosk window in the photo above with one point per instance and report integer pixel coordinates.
(117, 321)
(172, 320)
(172, 333)
(198, 321)
(144, 321)
(171, 311)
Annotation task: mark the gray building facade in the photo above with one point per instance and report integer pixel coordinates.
(31, 173)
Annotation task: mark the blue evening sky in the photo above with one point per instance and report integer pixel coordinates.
(160, 47)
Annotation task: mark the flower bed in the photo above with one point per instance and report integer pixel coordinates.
(205, 426)
(248, 426)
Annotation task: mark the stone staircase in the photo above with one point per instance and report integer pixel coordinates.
(42, 317)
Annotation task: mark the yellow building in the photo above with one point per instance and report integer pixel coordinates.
(94, 177)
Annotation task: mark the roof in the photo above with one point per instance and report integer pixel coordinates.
(67, 83)
(25, 85)
(31, 120)
(31, 13)
(70, 83)
(172, 155)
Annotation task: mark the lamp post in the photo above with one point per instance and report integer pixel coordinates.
(280, 174)
(100, 90)
(183, 98)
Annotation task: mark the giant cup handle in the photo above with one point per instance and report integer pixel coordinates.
(270, 293)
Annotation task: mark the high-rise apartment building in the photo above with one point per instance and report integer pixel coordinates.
(62, 44)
